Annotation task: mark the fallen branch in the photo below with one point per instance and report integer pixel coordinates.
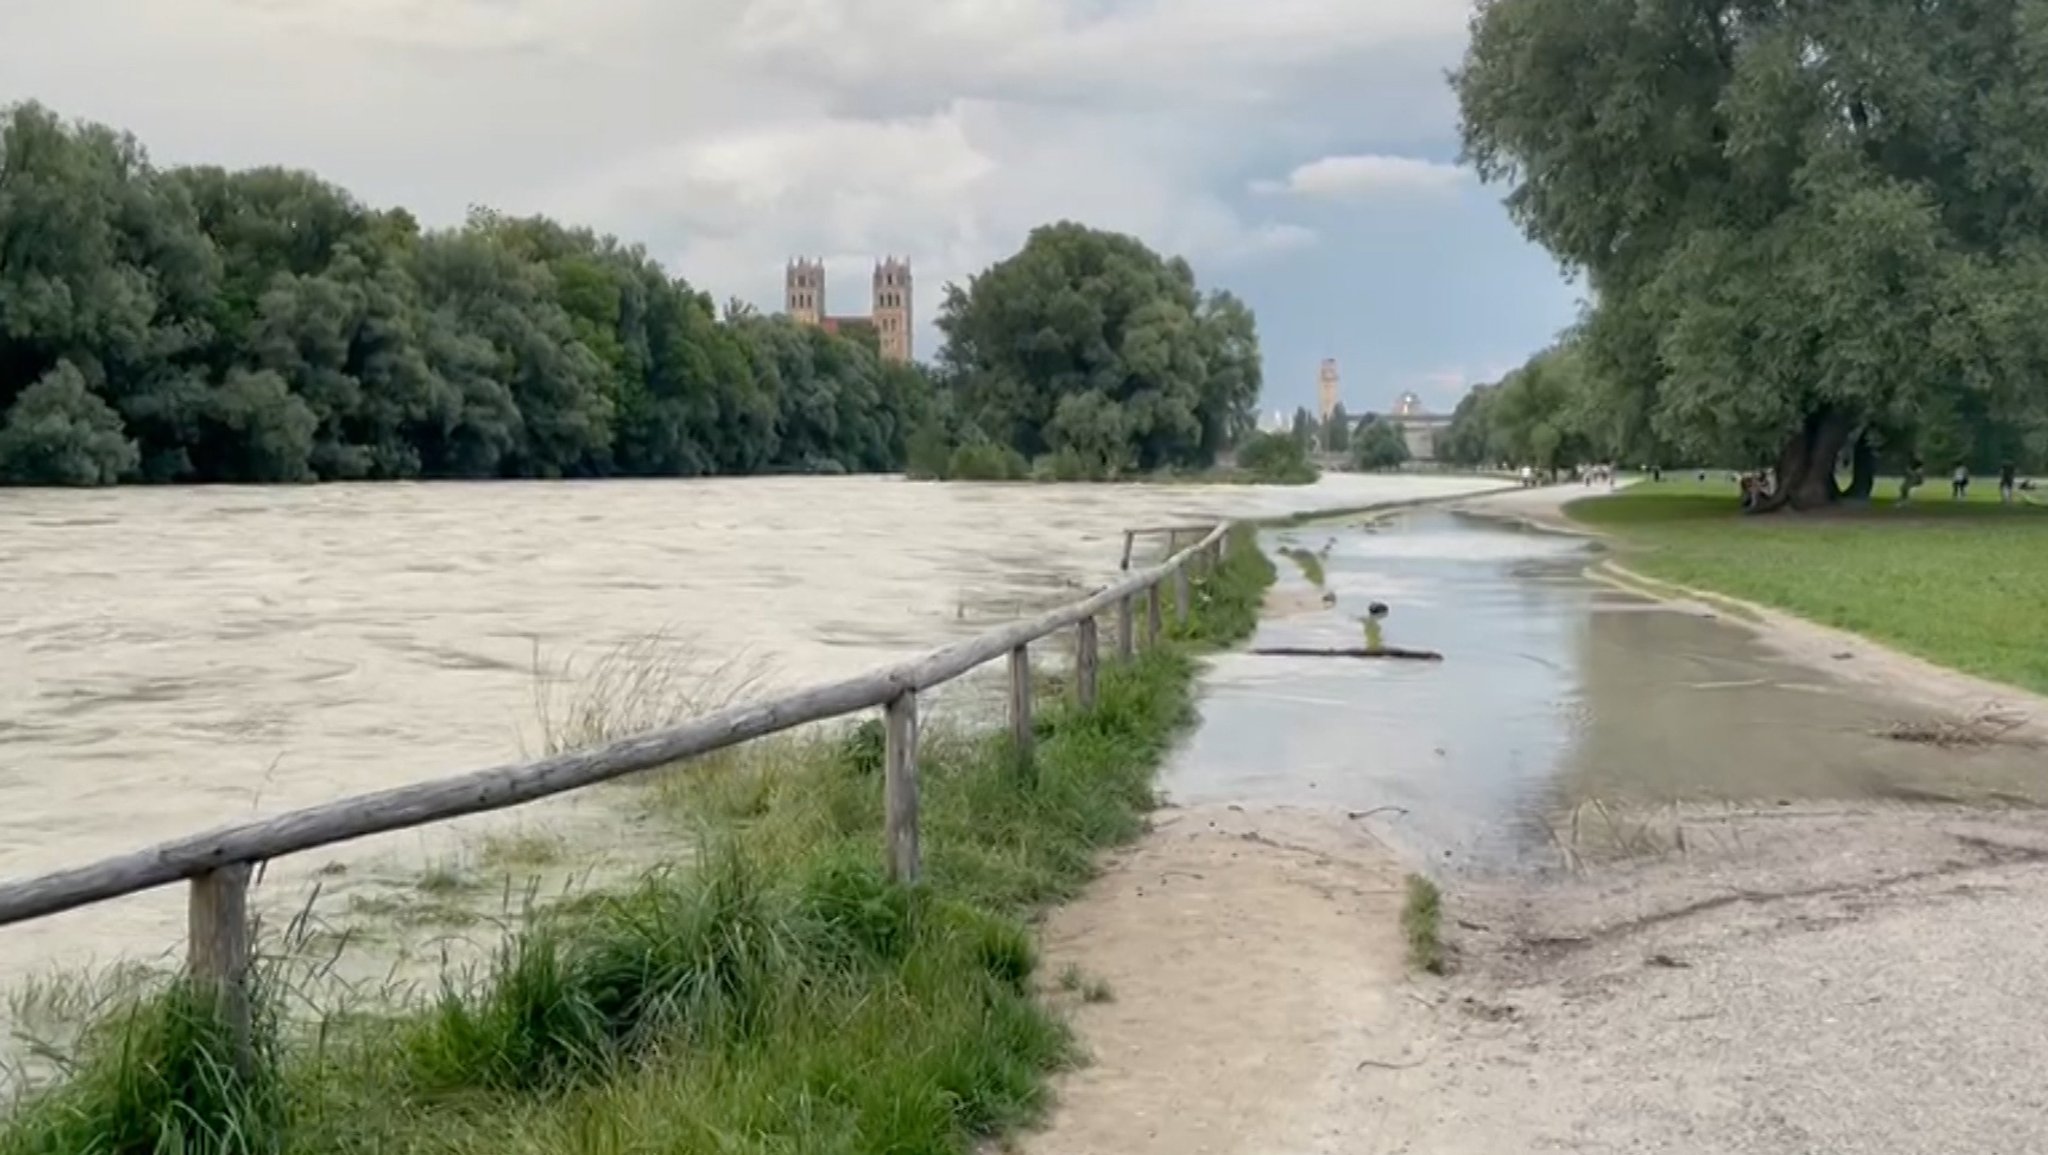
(1382, 652)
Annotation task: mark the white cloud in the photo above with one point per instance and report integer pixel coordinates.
(1361, 177)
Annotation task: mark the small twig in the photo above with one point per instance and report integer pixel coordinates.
(1357, 815)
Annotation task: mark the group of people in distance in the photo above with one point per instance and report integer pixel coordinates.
(1758, 485)
(2009, 482)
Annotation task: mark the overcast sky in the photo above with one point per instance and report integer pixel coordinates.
(1298, 152)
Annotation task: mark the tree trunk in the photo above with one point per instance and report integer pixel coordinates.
(1862, 470)
(1806, 465)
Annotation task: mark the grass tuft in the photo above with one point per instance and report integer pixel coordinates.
(1311, 565)
(774, 993)
(1422, 916)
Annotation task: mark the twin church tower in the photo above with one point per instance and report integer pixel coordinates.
(803, 297)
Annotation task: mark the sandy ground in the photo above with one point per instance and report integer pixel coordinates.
(1253, 959)
(1857, 978)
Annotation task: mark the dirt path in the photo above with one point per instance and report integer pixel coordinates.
(1253, 961)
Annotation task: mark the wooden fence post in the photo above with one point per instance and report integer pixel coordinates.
(1126, 627)
(1180, 594)
(899, 786)
(217, 952)
(1130, 536)
(1086, 658)
(1153, 612)
(1021, 735)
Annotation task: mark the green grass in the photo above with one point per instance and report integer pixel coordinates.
(1422, 916)
(1962, 584)
(1311, 565)
(776, 995)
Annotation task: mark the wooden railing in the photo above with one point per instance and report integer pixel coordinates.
(220, 863)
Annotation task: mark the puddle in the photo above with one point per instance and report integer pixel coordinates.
(1565, 711)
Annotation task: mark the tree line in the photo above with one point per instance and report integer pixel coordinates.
(194, 324)
(1811, 233)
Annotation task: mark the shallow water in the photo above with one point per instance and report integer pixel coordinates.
(1565, 710)
(173, 659)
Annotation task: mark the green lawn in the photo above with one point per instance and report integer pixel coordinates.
(1964, 584)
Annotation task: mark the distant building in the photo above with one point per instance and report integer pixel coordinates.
(890, 315)
(1328, 393)
(1419, 427)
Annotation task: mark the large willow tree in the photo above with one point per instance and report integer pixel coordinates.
(1812, 229)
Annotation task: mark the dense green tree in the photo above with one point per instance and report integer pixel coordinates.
(198, 324)
(1305, 428)
(1468, 440)
(1810, 230)
(1090, 345)
(1548, 414)
(58, 433)
(1278, 458)
(1379, 445)
(1337, 430)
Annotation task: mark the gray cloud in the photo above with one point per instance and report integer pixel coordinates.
(728, 134)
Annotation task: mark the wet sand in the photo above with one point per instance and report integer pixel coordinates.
(1697, 902)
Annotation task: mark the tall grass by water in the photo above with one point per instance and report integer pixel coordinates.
(771, 992)
(1960, 583)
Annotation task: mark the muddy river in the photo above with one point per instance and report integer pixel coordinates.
(175, 659)
(1568, 718)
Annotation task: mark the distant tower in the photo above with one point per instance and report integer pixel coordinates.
(803, 291)
(892, 315)
(1326, 389)
(1408, 406)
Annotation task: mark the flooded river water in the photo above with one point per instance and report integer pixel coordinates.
(1566, 717)
(172, 659)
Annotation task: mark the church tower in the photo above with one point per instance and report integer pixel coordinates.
(803, 291)
(1326, 389)
(892, 309)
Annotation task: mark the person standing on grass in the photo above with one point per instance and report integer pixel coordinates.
(1960, 487)
(1910, 481)
(2005, 483)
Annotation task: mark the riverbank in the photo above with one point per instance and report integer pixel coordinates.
(1940, 602)
(776, 989)
(1960, 584)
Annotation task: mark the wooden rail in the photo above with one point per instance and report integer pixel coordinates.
(219, 863)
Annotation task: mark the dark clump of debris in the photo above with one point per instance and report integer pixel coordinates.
(1985, 728)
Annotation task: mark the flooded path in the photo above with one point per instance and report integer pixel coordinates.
(1696, 898)
(174, 659)
(1561, 705)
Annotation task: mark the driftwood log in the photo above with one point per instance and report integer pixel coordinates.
(1392, 652)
